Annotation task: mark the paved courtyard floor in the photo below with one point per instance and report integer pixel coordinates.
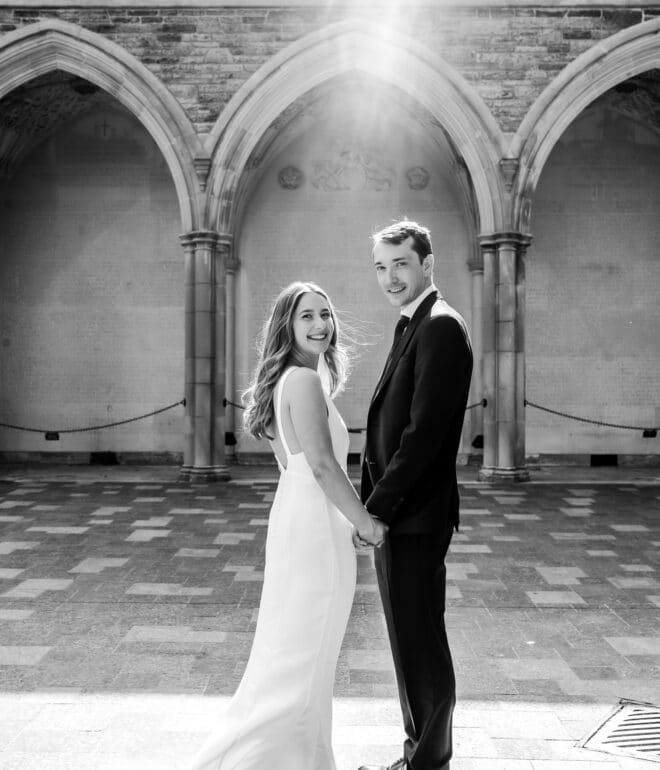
(128, 602)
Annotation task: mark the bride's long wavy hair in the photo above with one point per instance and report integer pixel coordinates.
(277, 350)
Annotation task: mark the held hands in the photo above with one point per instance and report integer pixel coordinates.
(372, 534)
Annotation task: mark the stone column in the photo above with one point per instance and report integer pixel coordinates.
(476, 417)
(204, 350)
(231, 268)
(189, 347)
(504, 356)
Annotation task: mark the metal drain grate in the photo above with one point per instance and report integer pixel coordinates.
(631, 730)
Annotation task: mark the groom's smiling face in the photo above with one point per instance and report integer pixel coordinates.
(401, 275)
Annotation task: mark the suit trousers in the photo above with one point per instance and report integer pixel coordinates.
(412, 580)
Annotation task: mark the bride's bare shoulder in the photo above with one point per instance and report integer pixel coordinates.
(303, 374)
(303, 381)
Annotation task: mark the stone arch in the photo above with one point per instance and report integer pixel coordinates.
(55, 45)
(334, 50)
(613, 60)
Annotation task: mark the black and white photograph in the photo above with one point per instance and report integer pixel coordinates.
(329, 384)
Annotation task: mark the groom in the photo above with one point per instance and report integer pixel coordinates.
(409, 482)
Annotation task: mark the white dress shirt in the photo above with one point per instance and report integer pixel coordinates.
(410, 308)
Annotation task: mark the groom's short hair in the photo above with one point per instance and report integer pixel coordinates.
(398, 232)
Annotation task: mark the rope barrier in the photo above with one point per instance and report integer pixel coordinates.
(483, 402)
(94, 427)
(591, 422)
(649, 432)
(226, 402)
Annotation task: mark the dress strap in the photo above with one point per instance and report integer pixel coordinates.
(278, 409)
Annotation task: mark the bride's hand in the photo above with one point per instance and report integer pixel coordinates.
(374, 534)
(358, 542)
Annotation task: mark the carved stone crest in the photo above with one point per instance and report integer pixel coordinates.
(352, 168)
(418, 177)
(290, 178)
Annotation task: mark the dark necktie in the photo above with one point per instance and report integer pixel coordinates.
(399, 329)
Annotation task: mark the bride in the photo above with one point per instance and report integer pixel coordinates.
(280, 717)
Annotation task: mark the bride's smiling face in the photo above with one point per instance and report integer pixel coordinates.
(313, 327)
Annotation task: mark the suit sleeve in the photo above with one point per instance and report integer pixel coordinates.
(365, 485)
(443, 364)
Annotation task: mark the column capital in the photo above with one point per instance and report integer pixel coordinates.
(225, 247)
(207, 238)
(505, 238)
(225, 243)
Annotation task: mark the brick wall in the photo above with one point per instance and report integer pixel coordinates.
(204, 54)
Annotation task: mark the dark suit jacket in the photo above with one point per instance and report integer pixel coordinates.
(415, 421)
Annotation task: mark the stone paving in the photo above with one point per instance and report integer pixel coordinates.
(127, 610)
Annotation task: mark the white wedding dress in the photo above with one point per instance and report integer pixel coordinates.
(281, 715)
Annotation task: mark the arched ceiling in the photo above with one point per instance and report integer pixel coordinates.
(367, 109)
(39, 108)
(356, 90)
(638, 98)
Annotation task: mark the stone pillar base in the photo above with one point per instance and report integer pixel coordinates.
(206, 473)
(503, 474)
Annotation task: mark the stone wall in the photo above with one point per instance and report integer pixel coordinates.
(592, 278)
(351, 183)
(92, 262)
(204, 55)
(91, 297)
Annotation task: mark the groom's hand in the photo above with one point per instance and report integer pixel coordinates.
(381, 531)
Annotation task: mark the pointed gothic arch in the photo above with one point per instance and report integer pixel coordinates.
(332, 51)
(609, 62)
(56, 45)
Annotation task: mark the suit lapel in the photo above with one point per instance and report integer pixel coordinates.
(399, 350)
